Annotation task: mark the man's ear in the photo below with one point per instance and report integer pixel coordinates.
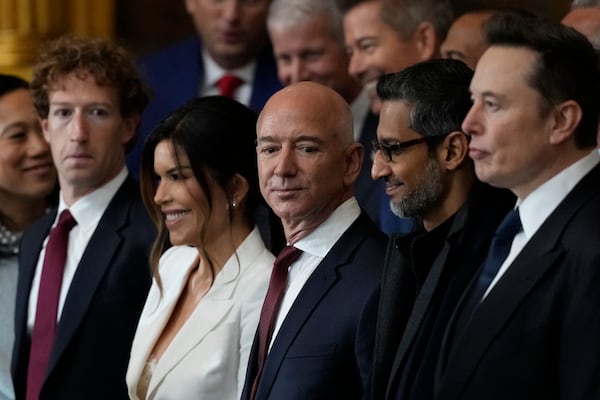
(426, 41)
(566, 118)
(454, 150)
(354, 159)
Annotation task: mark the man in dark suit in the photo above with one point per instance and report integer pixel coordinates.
(308, 43)
(321, 341)
(530, 330)
(89, 99)
(232, 40)
(422, 155)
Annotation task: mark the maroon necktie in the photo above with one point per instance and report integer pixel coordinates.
(277, 285)
(228, 84)
(46, 312)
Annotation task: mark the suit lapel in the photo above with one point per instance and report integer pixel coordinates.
(207, 315)
(317, 286)
(94, 263)
(541, 253)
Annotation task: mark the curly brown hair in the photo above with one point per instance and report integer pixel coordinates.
(110, 65)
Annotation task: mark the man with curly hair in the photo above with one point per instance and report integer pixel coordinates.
(76, 312)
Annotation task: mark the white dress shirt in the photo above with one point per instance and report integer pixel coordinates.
(213, 72)
(535, 208)
(87, 211)
(315, 247)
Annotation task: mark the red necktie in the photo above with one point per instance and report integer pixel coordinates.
(46, 312)
(228, 84)
(277, 285)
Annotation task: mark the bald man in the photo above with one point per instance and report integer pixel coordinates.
(323, 329)
(584, 17)
(465, 40)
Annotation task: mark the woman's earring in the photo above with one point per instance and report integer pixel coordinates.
(233, 204)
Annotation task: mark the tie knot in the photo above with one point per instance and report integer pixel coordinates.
(287, 256)
(510, 225)
(228, 84)
(66, 220)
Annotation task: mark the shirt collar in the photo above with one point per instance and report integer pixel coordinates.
(213, 71)
(88, 210)
(535, 208)
(322, 239)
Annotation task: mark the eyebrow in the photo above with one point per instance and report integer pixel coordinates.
(18, 124)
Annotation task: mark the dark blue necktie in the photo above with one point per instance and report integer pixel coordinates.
(499, 249)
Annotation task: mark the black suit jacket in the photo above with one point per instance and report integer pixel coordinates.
(417, 298)
(323, 349)
(537, 333)
(93, 338)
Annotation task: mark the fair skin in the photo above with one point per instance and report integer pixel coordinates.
(27, 174)
(376, 49)
(428, 185)
(87, 134)
(185, 207)
(464, 40)
(307, 160)
(232, 31)
(310, 51)
(585, 20)
(517, 142)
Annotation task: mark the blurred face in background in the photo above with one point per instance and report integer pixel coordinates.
(232, 31)
(26, 169)
(310, 51)
(375, 48)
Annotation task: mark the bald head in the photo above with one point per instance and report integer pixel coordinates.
(307, 158)
(313, 102)
(585, 20)
(465, 40)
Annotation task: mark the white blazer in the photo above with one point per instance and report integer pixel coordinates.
(208, 357)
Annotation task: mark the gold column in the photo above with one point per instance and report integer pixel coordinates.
(25, 24)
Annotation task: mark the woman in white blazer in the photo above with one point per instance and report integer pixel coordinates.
(199, 183)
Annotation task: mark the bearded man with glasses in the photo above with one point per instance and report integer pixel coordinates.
(422, 155)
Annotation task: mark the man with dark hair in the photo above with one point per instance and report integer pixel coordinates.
(83, 269)
(422, 155)
(528, 326)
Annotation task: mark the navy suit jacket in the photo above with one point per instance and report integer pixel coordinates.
(323, 349)
(100, 314)
(536, 335)
(175, 74)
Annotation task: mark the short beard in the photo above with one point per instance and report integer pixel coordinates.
(425, 194)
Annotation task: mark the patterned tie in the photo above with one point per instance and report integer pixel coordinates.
(47, 303)
(228, 84)
(277, 285)
(499, 249)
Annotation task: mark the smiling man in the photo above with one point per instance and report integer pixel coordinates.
(422, 155)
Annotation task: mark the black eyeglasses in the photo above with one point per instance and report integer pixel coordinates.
(391, 150)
